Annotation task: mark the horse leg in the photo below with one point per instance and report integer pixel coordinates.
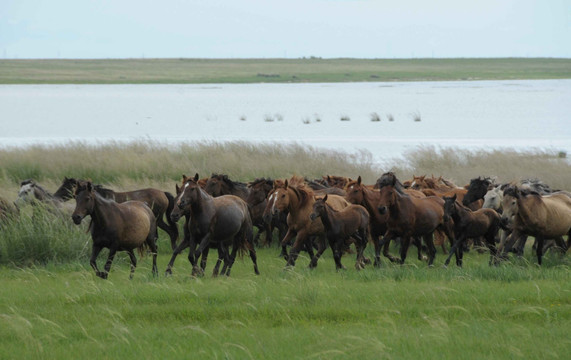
(133, 263)
(152, 243)
(404, 244)
(297, 246)
(268, 230)
(232, 256)
(221, 256)
(183, 245)
(457, 244)
(95, 250)
(320, 251)
(254, 257)
(418, 243)
(385, 242)
(491, 242)
(431, 249)
(337, 247)
(166, 228)
(539, 250)
(361, 245)
(107, 267)
(288, 236)
(560, 245)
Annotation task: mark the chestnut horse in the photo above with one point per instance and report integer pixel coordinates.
(544, 217)
(118, 227)
(221, 221)
(470, 224)
(410, 217)
(340, 227)
(297, 199)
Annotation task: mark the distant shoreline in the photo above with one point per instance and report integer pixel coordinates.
(310, 70)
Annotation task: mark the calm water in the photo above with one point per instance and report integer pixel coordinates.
(468, 115)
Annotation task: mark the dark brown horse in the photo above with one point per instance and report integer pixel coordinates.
(118, 227)
(219, 184)
(257, 200)
(477, 189)
(340, 226)
(222, 221)
(470, 224)
(297, 199)
(411, 217)
(185, 243)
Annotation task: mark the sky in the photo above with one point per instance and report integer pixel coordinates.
(284, 29)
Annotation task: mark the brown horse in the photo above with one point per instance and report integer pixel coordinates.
(219, 184)
(544, 217)
(118, 227)
(220, 221)
(160, 202)
(336, 181)
(297, 199)
(470, 224)
(410, 217)
(340, 226)
(185, 243)
(257, 200)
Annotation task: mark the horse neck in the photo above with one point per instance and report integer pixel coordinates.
(294, 205)
(328, 216)
(203, 205)
(369, 199)
(102, 209)
(402, 203)
(459, 213)
(525, 204)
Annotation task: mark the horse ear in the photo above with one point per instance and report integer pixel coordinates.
(184, 178)
(89, 186)
(196, 177)
(286, 184)
(177, 188)
(359, 180)
(325, 197)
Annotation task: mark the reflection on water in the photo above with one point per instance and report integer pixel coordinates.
(471, 115)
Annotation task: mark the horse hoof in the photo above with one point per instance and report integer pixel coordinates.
(102, 274)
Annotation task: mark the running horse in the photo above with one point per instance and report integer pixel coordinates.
(340, 226)
(544, 217)
(118, 227)
(410, 217)
(297, 199)
(216, 221)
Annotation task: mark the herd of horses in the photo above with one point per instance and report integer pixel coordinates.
(311, 215)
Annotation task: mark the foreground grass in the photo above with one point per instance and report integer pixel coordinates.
(184, 71)
(403, 312)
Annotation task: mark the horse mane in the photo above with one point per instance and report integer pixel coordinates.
(231, 183)
(390, 179)
(447, 182)
(301, 189)
(262, 180)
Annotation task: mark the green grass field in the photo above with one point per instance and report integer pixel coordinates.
(516, 310)
(185, 71)
(53, 306)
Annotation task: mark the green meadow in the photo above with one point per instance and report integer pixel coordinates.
(196, 71)
(53, 306)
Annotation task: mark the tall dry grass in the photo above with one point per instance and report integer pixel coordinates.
(138, 164)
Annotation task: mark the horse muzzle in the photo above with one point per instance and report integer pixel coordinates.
(77, 219)
(175, 217)
(313, 216)
(382, 210)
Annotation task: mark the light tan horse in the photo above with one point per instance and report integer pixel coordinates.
(118, 227)
(544, 217)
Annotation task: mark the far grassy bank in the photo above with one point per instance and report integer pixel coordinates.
(193, 71)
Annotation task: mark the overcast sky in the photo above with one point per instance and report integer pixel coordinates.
(287, 28)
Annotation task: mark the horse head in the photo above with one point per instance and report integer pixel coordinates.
(84, 201)
(318, 208)
(476, 190)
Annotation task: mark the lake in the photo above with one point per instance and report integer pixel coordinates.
(521, 115)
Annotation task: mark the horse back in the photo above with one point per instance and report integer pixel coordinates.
(154, 198)
(133, 222)
(231, 213)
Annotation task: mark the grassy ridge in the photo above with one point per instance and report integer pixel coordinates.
(186, 71)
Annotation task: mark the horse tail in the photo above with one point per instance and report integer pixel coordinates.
(246, 243)
(170, 208)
